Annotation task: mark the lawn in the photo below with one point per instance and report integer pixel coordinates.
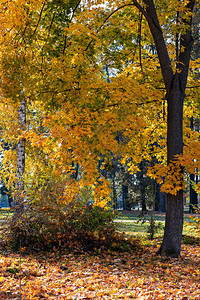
(5, 213)
(132, 225)
(108, 275)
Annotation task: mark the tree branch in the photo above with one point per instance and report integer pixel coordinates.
(106, 19)
(177, 37)
(65, 37)
(151, 16)
(157, 34)
(139, 41)
(74, 10)
(186, 43)
(40, 16)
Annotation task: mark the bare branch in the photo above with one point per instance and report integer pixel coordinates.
(192, 87)
(139, 41)
(186, 43)
(40, 16)
(74, 10)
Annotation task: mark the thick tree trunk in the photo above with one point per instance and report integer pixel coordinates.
(19, 198)
(171, 245)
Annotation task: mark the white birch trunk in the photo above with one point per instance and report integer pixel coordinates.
(19, 199)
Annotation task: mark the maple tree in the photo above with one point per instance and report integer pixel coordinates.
(59, 53)
(175, 79)
(175, 84)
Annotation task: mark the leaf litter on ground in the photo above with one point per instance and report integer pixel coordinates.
(136, 275)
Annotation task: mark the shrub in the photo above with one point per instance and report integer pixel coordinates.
(42, 228)
(52, 221)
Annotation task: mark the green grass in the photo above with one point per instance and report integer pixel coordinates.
(138, 229)
(5, 213)
(134, 216)
(130, 225)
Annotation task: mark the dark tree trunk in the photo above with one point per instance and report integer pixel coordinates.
(142, 180)
(193, 195)
(124, 196)
(171, 245)
(114, 192)
(76, 169)
(160, 203)
(143, 192)
(10, 200)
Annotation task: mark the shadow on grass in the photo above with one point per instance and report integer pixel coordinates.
(191, 240)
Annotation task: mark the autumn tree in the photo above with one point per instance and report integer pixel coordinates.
(56, 54)
(21, 27)
(175, 73)
(175, 84)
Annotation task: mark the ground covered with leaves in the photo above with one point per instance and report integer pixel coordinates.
(110, 275)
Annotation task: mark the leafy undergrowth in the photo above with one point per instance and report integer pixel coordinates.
(137, 275)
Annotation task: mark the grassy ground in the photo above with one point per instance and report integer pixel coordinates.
(5, 213)
(132, 225)
(133, 215)
(129, 223)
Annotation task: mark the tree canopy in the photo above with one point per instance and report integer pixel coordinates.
(100, 79)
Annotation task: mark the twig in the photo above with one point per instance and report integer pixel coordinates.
(65, 37)
(139, 41)
(40, 16)
(106, 19)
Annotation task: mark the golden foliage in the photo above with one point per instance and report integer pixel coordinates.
(57, 59)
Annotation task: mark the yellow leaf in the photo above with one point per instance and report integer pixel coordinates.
(140, 281)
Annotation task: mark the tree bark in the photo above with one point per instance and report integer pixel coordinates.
(160, 200)
(124, 195)
(171, 245)
(19, 198)
(114, 192)
(193, 194)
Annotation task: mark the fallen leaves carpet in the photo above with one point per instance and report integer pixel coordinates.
(140, 275)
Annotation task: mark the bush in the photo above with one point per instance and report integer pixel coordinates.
(50, 221)
(89, 229)
(191, 240)
(42, 228)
